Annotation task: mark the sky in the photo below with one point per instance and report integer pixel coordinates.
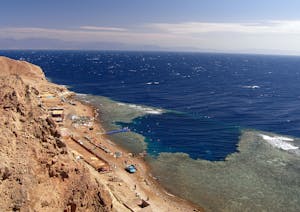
(256, 26)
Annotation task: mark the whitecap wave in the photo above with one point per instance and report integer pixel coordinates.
(82, 94)
(93, 59)
(251, 86)
(152, 83)
(279, 142)
(146, 110)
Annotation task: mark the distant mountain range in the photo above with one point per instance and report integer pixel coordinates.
(57, 44)
(44, 43)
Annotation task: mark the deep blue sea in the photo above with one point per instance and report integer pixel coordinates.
(194, 108)
(211, 97)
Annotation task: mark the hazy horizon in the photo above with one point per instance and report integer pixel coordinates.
(256, 27)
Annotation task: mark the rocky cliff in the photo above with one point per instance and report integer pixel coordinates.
(37, 172)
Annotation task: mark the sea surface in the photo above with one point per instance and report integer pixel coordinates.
(186, 110)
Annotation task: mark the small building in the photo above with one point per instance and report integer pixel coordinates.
(85, 121)
(46, 95)
(98, 164)
(57, 114)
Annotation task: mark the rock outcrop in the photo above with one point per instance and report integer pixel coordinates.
(21, 68)
(37, 172)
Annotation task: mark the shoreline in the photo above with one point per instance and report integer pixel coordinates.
(140, 161)
(58, 144)
(56, 158)
(124, 187)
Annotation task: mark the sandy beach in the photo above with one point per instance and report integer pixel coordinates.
(82, 136)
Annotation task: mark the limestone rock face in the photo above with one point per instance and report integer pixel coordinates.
(37, 172)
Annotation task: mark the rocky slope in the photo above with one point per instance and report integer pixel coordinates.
(37, 172)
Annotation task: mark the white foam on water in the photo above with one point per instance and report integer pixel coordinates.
(279, 142)
(82, 94)
(251, 86)
(147, 110)
(152, 83)
(93, 59)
